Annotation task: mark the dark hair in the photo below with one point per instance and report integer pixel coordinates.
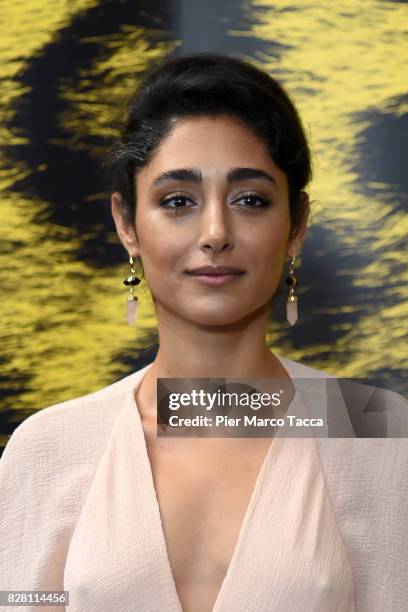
(210, 84)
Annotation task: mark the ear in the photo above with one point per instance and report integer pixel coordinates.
(298, 236)
(125, 227)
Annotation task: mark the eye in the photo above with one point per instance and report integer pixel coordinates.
(250, 200)
(177, 202)
(174, 202)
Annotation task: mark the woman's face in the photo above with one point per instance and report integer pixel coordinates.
(211, 196)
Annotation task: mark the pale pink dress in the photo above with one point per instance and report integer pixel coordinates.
(289, 556)
(80, 513)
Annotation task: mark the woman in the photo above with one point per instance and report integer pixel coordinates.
(210, 172)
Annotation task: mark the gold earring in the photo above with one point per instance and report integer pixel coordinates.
(292, 303)
(131, 282)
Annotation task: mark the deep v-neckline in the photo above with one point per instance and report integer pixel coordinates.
(244, 529)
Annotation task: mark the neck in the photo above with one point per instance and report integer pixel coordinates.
(191, 350)
(188, 350)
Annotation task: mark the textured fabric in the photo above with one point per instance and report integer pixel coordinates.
(325, 529)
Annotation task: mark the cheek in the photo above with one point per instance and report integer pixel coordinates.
(154, 240)
(162, 256)
(268, 251)
(160, 238)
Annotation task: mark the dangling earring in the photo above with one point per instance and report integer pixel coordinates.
(292, 303)
(131, 281)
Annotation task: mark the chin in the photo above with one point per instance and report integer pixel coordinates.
(218, 319)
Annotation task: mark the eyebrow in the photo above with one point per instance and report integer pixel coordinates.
(193, 175)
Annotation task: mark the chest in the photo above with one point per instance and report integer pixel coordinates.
(203, 489)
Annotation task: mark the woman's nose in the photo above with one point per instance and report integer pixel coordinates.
(215, 226)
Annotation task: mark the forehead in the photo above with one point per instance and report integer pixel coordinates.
(213, 145)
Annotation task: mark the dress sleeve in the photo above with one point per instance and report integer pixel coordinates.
(37, 496)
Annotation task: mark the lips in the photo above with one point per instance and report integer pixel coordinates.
(214, 271)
